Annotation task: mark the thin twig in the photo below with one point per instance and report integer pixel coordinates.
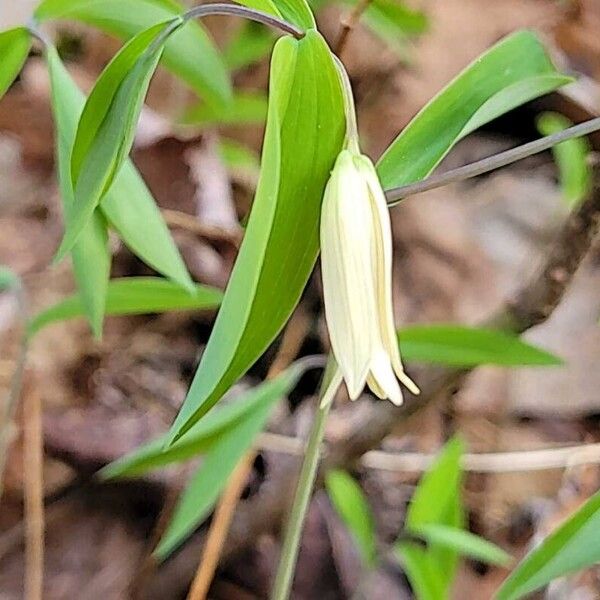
(395, 195)
(349, 23)
(491, 462)
(181, 220)
(247, 13)
(34, 494)
(219, 528)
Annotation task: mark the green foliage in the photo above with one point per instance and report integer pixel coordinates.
(512, 72)
(246, 108)
(107, 125)
(463, 346)
(132, 296)
(8, 279)
(14, 48)
(189, 53)
(223, 437)
(571, 159)
(351, 505)
(575, 545)
(436, 501)
(281, 242)
(463, 542)
(250, 44)
(125, 206)
(239, 159)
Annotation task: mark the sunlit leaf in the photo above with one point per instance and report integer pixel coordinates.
(133, 296)
(463, 346)
(426, 577)
(107, 126)
(437, 500)
(218, 463)
(463, 542)
(512, 72)
(246, 108)
(353, 508)
(127, 205)
(90, 255)
(250, 44)
(189, 53)
(304, 134)
(573, 546)
(14, 48)
(571, 159)
(239, 159)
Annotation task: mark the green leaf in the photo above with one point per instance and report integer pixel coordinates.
(90, 255)
(14, 48)
(207, 432)
(304, 134)
(353, 508)
(8, 279)
(133, 296)
(250, 44)
(510, 73)
(239, 159)
(189, 53)
(425, 576)
(571, 158)
(463, 346)
(246, 108)
(464, 543)
(107, 126)
(126, 205)
(575, 545)
(219, 462)
(437, 501)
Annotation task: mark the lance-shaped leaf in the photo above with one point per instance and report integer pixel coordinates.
(107, 125)
(189, 53)
(246, 108)
(14, 48)
(126, 205)
(512, 72)
(90, 255)
(304, 132)
(573, 546)
(464, 346)
(223, 438)
(297, 12)
(571, 157)
(132, 296)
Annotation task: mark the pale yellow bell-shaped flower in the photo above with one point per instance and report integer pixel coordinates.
(356, 263)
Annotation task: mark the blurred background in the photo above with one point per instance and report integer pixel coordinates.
(459, 252)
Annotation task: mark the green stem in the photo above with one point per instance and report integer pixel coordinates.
(291, 541)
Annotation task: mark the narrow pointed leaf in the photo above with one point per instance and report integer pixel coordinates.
(303, 137)
(353, 508)
(219, 462)
(514, 71)
(573, 546)
(437, 500)
(133, 296)
(571, 157)
(425, 576)
(463, 542)
(90, 255)
(463, 346)
(189, 53)
(128, 206)
(206, 433)
(107, 126)
(14, 48)
(246, 108)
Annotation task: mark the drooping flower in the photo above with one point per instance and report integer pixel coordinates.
(356, 263)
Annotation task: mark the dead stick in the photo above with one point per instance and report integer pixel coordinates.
(34, 494)
(349, 23)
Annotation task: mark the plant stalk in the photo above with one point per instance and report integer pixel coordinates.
(291, 541)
